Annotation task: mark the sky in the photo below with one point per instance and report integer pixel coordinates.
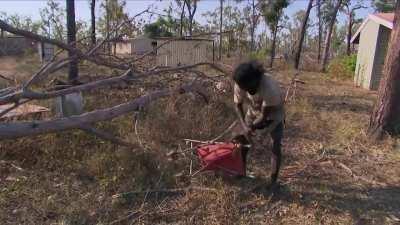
(82, 10)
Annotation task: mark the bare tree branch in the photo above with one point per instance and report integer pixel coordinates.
(80, 54)
(16, 105)
(22, 129)
(106, 136)
(126, 76)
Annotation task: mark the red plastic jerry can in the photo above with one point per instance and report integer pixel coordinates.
(221, 157)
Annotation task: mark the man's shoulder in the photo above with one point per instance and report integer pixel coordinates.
(269, 81)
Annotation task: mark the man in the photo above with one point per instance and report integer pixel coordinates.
(265, 106)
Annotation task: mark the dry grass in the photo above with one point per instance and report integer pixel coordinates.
(72, 177)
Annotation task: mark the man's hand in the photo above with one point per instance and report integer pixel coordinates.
(248, 130)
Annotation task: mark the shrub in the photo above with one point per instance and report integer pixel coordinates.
(260, 55)
(343, 67)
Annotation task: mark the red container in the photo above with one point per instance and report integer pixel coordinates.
(221, 157)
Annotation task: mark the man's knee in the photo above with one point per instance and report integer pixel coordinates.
(277, 133)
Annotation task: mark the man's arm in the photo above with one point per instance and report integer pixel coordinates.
(262, 121)
(240, 114)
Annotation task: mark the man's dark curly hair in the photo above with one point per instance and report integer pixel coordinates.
(247, 71)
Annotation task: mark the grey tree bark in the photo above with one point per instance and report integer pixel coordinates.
(302, 34)
(385, 118)
(93, 22)
(319, 30)
(329, 36)
(71, 40)
(220, 29)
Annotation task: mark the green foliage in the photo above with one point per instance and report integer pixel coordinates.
(53, 20)
(260, 55)
(234, 21)
(272, 11)
(161, 28)
(112, 16)
(343, 67)
(384, 5)
(21, 22)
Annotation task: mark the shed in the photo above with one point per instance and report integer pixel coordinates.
(15, 45)
(143, 44)
(175, 52)
(372, 38)
(123, 47)
(46, 51)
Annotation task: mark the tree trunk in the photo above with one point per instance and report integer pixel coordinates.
(349, 33)
(319, 30)
(71, 40)
(253, 26)
(93, 20)
(386, 114)
(2, 33)
(274, 32)
(220, 29)
(108, 45)
(192, 12)
(182, 18)
(302, 34)
(329, 36)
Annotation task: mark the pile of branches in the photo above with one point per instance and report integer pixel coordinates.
(129, 74)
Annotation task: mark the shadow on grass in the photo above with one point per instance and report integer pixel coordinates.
(341, 103)
(373, 205)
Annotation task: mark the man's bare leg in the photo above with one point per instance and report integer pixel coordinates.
(276, 158)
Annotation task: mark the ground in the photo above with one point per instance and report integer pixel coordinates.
(332, 173)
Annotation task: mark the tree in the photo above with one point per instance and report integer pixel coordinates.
(350, 7)
(253, 24)
(384, 5)
(332, 19)
(272, 12)
(53, 20)
(386, 114)
(21, 22)
(191, 6)
(182, 16)
(234, 22)
(93, 21)
(221, 9)
(302, 33)
(113, 16)
(320, 27)
(160, 28)
(71, 40)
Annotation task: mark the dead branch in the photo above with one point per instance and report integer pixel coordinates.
(125, 77)
(225, 131)
(16, 105)
(6, 78)
(7, 91)
(166, 191)
(352, 174)
(42, 71)
(22, 129)
(106, 136)
(6, 27)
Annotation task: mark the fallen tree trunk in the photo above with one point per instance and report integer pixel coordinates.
(23, 129)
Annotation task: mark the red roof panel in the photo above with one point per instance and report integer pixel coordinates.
(386, 16)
